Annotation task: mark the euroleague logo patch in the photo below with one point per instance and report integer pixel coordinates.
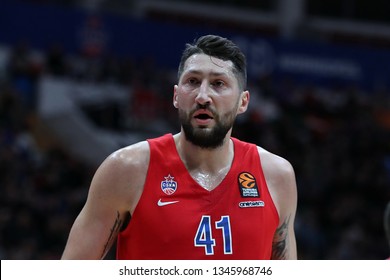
(247, 185)
(168, 186)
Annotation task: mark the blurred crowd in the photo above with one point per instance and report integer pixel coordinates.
(336, 137)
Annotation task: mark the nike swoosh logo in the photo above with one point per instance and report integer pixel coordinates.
(163, 203)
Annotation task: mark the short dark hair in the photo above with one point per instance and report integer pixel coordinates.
(221, 48)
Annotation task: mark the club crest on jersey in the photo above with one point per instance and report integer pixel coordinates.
(247, 185)
(168, 186)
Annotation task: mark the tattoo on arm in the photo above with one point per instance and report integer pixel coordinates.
(279, 244)
(114, 231)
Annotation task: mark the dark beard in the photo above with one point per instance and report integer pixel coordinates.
(203, 137)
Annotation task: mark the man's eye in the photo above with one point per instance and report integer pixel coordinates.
(218, 83)
(192, 81)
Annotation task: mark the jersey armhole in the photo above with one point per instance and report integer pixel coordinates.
(264, 182)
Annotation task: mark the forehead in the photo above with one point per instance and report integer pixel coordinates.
(206, 64)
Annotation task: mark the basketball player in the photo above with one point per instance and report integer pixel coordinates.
(198, 194)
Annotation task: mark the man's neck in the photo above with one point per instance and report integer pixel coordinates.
(207, 166)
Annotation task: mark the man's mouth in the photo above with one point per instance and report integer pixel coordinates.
(203, 115)
(203, 118)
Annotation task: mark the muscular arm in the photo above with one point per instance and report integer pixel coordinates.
(113, 195)
(282, 185)
(283, 246)
(91, 238)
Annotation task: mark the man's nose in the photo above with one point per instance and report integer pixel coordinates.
(203, 96)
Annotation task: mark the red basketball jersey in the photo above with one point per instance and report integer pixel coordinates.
(176, 218)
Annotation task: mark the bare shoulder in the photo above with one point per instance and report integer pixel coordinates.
(121, 175)
(132, 157)
(280, 177)
(275, 167)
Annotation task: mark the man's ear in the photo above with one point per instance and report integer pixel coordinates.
(175, 103)
(244, 102)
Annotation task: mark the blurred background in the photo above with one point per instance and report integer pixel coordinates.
(80, 79)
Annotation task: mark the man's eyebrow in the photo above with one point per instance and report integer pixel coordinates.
(198, 72)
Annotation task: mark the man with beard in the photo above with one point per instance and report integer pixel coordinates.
(198, 194)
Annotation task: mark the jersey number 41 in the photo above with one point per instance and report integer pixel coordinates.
(204, 235)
